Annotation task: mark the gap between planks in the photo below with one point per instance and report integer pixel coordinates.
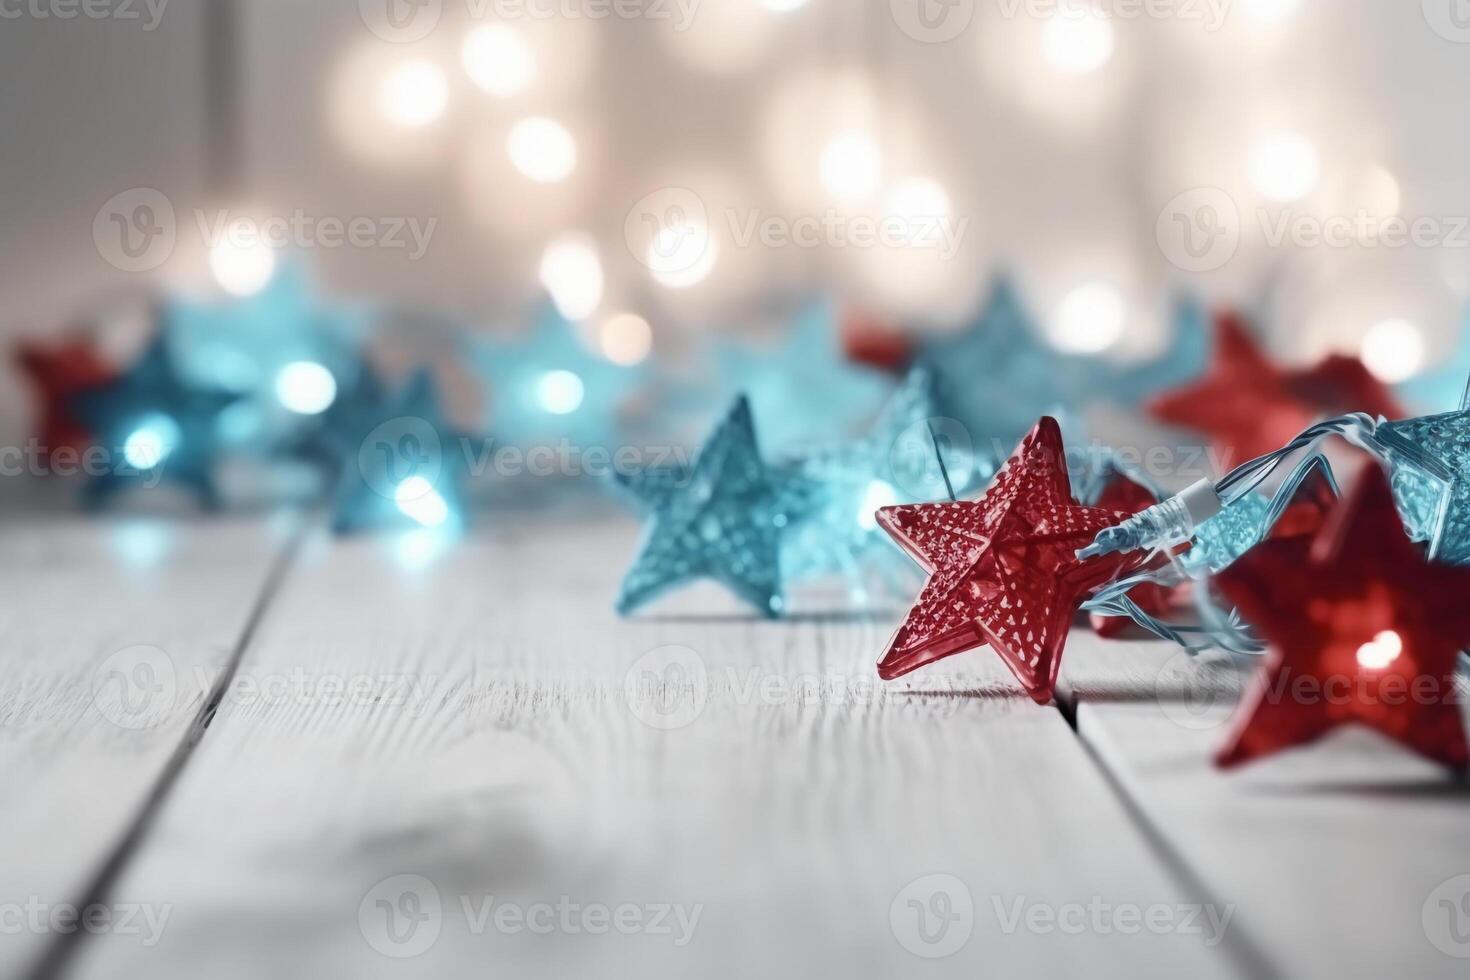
(56, 956)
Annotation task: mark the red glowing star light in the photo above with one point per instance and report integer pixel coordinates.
(58, 371)
(1361, 629)
(1003, 569)
(1249, 407)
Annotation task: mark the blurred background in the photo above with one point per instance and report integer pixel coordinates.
(676, 173)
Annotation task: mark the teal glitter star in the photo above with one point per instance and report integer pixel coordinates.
(1434, 510)
(1246, 522)
(894, 463)
(725, 522)
(547, 386)
(157, 428)
(408, 467)
(806, 389)
(246, 345)
(998, 374)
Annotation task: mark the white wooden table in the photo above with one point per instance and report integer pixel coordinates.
(245, 749)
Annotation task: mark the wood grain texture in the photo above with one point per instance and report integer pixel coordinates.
(511, 738)
(1335, 855)
(111, 633)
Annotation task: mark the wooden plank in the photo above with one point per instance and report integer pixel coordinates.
(1343, 859)
(511, 738)
(111, 633)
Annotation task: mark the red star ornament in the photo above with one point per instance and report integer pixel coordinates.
(1003, 569)
(1249, 406)
(58, 371)
(1361, 629)
(868, 340)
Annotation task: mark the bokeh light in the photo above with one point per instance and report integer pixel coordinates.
(242, 265)
(414, 94)
(1089, 319)
(498, 60)
(1393, 350)
(626, 339)
(542, 149)
(306, 387)
(571, 271)
(417, 499)
(852, 166)
(560, 392)
(1284, 167)
(151, 442)
(1078, 41)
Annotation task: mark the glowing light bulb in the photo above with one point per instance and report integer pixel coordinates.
(241, 267)
(1089, 319)
(879, 494)
(626, 339)
(851, 166)
(417, 499)
(498, 59)
(1381, 651)
(1078, 41)
(682, 253)
(1393, 350)
(147, 446)
(414, 94)
(560, 392)
(542, 149)
(572, 274)
(306, 388)
(1284, 167)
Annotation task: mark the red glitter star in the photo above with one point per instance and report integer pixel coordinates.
(1362, 628)
(1003, 569)
(58, 371)
(1248, 406)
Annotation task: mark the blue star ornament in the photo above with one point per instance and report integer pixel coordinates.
(896, 462)
(996, 375)
(409, 468)
(547, 386)
(806, 389)
(1191, 340)
(1434, 495)
(157, 428)
(1436, 389)
(285, 352)
(725, 522)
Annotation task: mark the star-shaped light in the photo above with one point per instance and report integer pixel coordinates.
(805, 390)
(1361, 629)
(1435, 511)
(996, 375)
(1003, 569)
(1249, 407)
(58, 372)
(725, 522)
(408, 468)
(283, 350)
(157, 428)
(894, 463)
(1246, 522)
(545, 386)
